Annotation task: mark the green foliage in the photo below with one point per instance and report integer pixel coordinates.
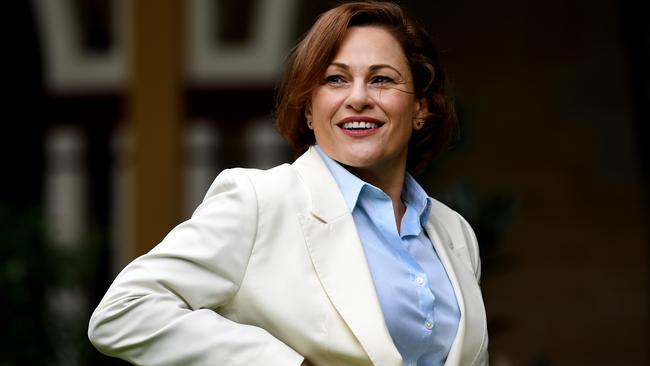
(33, 272)
(24, 273)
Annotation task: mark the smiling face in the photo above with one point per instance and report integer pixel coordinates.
(364, 111)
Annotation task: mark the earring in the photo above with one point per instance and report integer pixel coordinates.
(419, 123)
(309, 124)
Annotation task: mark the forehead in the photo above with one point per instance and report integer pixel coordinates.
(369, 45)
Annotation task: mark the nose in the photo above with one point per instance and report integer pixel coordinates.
(359, 98)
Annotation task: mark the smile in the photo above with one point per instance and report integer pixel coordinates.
(359, 125)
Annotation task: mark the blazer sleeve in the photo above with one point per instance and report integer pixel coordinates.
(162, 309)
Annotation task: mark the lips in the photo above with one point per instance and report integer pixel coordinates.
(360, 127)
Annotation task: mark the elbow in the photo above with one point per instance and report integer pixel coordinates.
(116, 326)
(98, 334)
(108, 331)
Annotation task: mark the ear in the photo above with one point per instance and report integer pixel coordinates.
(308, 115)
(420, 113)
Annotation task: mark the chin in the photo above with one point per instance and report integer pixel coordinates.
(361, 157)
(359, 163)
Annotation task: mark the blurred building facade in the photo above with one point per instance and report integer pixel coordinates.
(551, 98)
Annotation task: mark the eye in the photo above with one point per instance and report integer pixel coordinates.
(334, 79)
(381, 79)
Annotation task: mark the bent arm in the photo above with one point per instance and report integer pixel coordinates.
(162, 309)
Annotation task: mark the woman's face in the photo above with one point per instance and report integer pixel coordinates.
(364, 111)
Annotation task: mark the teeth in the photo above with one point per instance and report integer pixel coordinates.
(359, 125)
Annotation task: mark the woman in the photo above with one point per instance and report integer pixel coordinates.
(337, 259)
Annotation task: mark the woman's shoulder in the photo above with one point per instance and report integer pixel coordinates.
(266, 184)
(443, 212)
(276, 177)
(452, 221)
(255, 174)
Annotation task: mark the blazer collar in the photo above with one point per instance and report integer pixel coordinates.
(327, 203)
(471, 335)
(340, 262)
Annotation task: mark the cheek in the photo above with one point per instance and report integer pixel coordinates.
(400, 110)
(397, 104)
(318, 101)
(325, 104)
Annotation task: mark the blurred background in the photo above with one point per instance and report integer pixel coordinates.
(118, 115)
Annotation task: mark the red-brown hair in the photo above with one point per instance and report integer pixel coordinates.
(310, 58)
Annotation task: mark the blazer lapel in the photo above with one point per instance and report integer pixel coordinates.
(469, 338)
(340, 262)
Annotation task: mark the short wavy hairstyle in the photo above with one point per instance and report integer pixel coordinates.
(309, 59)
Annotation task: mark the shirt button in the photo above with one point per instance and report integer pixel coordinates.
(428, 324)
(419, 280)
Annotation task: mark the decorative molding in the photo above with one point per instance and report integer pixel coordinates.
(264, 146)
(65, 187)
(202, 140)
(258, 61)
(68, 67)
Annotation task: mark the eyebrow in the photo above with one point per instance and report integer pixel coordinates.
(372, 67)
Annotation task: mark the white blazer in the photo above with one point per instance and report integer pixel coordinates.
(269, 270)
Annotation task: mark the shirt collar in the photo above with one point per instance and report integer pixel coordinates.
(413, 194)
(416, 199)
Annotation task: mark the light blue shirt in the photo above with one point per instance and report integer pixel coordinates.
(415, 294)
